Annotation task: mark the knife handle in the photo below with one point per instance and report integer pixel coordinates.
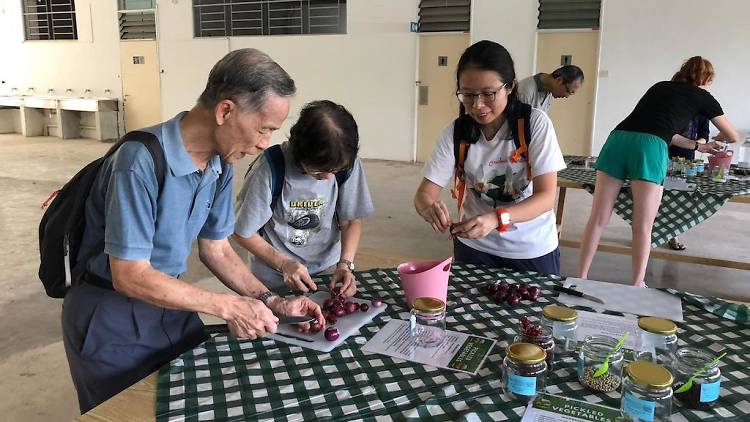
(216, 329)
(568, 291)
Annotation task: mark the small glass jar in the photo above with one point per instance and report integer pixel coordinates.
(647, 392)
(659, 334)
(427, 321)
(563, 323)
(700, 167)
(524, 371)
(591, 357)
(543, 340)
(706, 386)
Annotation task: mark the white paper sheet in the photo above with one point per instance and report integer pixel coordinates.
(594, 324)
(458, 351)
(626, 299)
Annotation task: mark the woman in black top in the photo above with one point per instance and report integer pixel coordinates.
(637, 150)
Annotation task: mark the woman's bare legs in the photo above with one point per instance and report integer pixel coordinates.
(605, 195)
(646, 202)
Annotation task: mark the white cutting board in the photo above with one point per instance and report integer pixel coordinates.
(347, 325)
(627, 299)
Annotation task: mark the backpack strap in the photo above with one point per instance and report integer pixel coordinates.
(462, 140)
(275, 157)
(342, 176)
(520, 126)
(154, 148)
(157, 155)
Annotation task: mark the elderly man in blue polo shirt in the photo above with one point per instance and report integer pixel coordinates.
(133, 314)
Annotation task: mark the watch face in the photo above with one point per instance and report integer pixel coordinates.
(505, 218)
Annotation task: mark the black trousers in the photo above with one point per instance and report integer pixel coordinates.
(112, 341)
(546, 264)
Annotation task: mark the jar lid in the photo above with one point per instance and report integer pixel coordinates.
(526, 353)
(428, 304)
(559, 313)
(657, 325)
(649, 374)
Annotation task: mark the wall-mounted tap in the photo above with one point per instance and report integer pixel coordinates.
(68, 92)
(30, 90)
(87, 93)
(51, 91)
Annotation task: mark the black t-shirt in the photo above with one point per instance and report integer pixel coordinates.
(667, 107)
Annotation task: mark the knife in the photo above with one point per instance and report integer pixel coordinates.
(576, 293)
(223, 328)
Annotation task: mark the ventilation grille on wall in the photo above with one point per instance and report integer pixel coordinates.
(444, 15)
(223, 18)
(569, 14)
(49, 20)
(137, 24)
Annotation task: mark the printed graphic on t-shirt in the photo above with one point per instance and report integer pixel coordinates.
(500, 183)
(303, 220)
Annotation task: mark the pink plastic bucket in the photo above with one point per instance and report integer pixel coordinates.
(425, 279)
(719, 159)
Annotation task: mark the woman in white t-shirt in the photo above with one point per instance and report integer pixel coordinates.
(506, 190)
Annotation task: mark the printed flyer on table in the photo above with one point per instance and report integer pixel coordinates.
(458, 351)
(551, 408)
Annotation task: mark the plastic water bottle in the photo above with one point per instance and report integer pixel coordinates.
(744, 158)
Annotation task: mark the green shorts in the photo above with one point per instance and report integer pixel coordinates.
(634, 156)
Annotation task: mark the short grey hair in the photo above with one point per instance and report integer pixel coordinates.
(248, 77)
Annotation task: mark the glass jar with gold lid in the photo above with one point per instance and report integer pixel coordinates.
(660, 335)
(427, 321)
(563, 322)
(524, 371)
(647, 392)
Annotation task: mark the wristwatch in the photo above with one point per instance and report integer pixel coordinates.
(503, 219)
(349, 264)
(266, 297)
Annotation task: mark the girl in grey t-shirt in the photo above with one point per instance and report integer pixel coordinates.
(313, 222)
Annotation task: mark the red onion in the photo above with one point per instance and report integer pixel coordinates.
(315, 327)
(534, 293)
(351, 307)
(332, 333)
(364, 307)
(376, 302)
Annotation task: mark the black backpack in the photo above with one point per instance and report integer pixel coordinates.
(62, 225)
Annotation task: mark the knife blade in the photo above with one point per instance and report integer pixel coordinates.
(576, 293)
(211, 329)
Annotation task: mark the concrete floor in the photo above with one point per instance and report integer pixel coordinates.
(35, 384)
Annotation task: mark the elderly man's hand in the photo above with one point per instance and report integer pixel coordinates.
(297, 306)
(248, 317)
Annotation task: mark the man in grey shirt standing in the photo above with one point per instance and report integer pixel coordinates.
(539, 90)
(313, 224)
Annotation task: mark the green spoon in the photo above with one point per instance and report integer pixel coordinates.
(605, 366)
(689, 382)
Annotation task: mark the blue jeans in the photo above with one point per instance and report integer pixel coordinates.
(546, 264)
(113, 341)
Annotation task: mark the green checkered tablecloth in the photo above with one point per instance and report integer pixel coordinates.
(679, 211)
(228, 379)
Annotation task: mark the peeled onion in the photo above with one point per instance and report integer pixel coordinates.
(332, 333)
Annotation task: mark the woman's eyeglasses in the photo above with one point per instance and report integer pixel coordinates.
(468, 98)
